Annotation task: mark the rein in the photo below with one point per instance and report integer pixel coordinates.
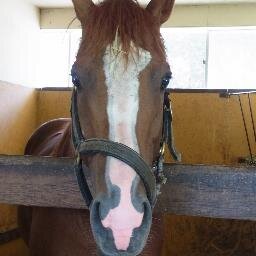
(152, 177)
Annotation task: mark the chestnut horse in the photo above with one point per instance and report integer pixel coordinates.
(120, 75)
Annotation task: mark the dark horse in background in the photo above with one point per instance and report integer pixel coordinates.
(120, 75)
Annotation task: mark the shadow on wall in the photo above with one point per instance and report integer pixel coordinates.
(18, 106)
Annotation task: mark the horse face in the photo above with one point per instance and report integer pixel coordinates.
(121, 67)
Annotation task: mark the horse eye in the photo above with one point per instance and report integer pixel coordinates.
(166, 80)
(75, 80)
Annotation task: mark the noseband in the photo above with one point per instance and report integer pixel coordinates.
(152, 177)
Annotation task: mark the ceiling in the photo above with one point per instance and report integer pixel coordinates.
(68, 3)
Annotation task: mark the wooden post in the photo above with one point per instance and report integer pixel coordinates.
(195, 190)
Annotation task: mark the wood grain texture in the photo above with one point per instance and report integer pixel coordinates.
(194, 190)
(39, 181)
(17, 122)
(17, 117)
(52, 105)
(209, 130)
(210, 191)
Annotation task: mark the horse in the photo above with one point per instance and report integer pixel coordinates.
(120, 76)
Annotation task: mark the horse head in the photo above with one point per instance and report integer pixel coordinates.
(120, 75)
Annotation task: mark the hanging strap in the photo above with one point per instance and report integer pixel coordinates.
(168, 137)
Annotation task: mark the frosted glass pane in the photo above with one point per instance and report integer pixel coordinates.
(53, 60)
(232, 59)
(75, 40)
(186, 49)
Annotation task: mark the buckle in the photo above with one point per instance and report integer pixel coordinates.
(78, 159)
(162, 149)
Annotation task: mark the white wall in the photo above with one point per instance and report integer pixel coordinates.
(19, 27)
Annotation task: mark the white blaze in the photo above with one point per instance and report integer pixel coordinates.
(122, 81)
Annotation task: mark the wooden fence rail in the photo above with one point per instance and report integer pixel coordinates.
(195, 190)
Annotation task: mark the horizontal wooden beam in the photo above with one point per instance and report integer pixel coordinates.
(196, 190)
(189, 15)
(39, 181)
(210, 191)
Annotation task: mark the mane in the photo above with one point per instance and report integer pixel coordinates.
(134, 26)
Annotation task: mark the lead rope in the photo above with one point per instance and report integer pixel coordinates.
(245, 128)
(251, 160)
(252, 118)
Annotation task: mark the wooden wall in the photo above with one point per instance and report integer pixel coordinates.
(53, 104)
(17, 122)
(189, 15)
(208, 129)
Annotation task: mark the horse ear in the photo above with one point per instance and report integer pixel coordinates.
(81, 8)
(161, 9)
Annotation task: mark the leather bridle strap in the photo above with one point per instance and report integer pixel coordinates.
(82, 182)
(77, 135)
(77, 138)
(167, 137)
(126, 155)
(152, 178)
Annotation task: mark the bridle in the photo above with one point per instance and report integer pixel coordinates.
(152, 177)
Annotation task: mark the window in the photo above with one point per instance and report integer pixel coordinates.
(57, 53)
(232, 59)
(186, 51)
(213, 58)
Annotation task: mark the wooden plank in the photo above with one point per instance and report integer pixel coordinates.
(196, 190)
(39, 181)
(210, 191)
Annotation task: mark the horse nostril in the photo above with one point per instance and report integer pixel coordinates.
(116, 238)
